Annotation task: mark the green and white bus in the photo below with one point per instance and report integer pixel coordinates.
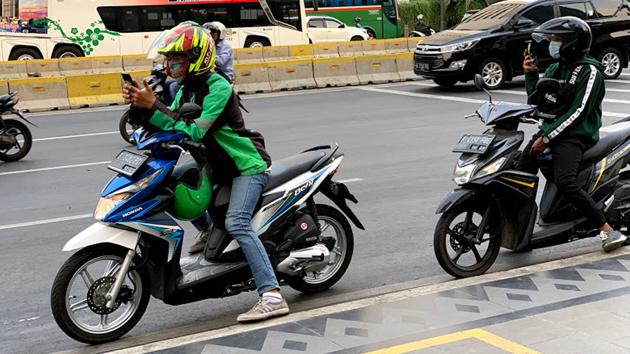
(379, 17)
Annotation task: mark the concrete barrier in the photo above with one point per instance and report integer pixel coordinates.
(136, 63)
(335, 72)
(275, 53)
(350, 49)
(404, 65)
(291, 74)
(41, 93)
(375, 69)
(397, 45)
(374, 47)
(43, 68)
(94, 90)
(412, 43)
(252, 78)
(108, 64)
(326, 50)
(302, 51)
(75, 66)
(248, 55)
(4, 87)
(13, 69)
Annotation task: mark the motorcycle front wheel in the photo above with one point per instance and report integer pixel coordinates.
(23, 137)
(466, 241)
(78, 296)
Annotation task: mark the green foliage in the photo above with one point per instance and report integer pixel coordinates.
(431, 11)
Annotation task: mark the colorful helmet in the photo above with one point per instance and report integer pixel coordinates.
(216, 26)
(193, 193)
(190, 40)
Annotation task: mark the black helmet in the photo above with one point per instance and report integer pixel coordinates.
(574, 33)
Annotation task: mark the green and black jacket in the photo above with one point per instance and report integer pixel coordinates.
(231, 149)
(583, 85)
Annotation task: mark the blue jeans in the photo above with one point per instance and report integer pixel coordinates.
(203, 222)
(246, 191)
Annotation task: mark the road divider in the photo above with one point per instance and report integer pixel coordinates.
(377, 69)
(43, 68)
(41, 93)
(4, 87)
(248, 55)
(94, 90)
(335, 72)
(252, 78)
(292, 74)
(15, 69)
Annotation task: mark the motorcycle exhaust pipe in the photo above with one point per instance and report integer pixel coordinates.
(306, 260)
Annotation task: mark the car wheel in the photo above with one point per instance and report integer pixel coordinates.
(493, 72)
(612, 61)
(356, 38)
(25, 53)
(67, 52)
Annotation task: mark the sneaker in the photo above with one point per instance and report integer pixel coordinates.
(612, 240)
(200, 242)
(263, 310)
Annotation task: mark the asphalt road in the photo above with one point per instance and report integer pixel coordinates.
(397, 139)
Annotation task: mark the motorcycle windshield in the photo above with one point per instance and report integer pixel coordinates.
(492, 113)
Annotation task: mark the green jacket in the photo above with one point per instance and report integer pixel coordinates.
(231, 149)
(583, 116)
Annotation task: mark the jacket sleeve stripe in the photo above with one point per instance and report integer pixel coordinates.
(578, 112)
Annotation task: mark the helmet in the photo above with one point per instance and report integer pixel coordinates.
(575, 35)
(190, 40)
(193, 193)
(216, 26)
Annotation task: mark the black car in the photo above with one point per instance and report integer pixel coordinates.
(491, 42)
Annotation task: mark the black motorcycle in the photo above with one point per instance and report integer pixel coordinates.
(157, 81)
(15, 137)
(495, 205)
(421, 29)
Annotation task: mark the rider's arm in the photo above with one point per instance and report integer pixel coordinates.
(224, 59)
(213, 105)
(587, 98)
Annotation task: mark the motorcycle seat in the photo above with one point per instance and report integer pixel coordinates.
(609, 137)
(6, 99)
(290, 167)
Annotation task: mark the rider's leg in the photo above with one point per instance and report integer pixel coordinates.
(202, 224)
(567, 156)
(246, 191)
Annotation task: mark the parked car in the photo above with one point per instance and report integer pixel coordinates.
(329, 29)
(491, 42)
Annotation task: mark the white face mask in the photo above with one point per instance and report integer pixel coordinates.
(554, 49)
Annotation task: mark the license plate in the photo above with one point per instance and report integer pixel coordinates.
(128, 162)
(422, 67)
(475, 144)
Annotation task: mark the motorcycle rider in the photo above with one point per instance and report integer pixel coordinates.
(224, 61)
(236, 155)
(579, 109)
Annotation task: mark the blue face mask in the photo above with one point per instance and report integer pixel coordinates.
(554, 49)
(176, 68)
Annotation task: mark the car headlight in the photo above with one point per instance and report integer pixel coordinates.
(462, 175)
(106, 204)
(491, 168)
(458, 47)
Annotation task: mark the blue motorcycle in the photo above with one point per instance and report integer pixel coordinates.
(134, 250)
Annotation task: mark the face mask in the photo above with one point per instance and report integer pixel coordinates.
(176, 69)
(554, 49)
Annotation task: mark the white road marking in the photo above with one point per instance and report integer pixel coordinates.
(461, 99)
(350, 180)
(45, 221)
(76, 136)
(619, 81)
(76, 111)
(54, 168)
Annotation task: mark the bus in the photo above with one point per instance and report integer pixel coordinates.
(379, 17)
(36, 29)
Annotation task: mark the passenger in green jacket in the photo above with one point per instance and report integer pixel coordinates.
(579, 113)
(236, 155)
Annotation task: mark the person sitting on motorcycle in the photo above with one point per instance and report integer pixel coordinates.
(579, 109)
(224, 60)
(236, 155)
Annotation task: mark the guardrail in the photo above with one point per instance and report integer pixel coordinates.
(55, 84)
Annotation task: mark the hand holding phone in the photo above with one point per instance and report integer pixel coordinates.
(127, 79)
(530, 61)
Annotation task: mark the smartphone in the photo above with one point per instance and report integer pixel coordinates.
(528, 51)
(127, 79)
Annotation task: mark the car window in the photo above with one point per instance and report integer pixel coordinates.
(490, 17)
(539, 14)
(607, 8)
(332, 23)
(576, 9)
(316, 23)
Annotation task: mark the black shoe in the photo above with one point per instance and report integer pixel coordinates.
(200, 242)
(612, 240)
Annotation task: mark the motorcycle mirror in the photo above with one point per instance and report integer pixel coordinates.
(190, 111)
(480, 84)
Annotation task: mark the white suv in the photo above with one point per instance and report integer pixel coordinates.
(328, 29)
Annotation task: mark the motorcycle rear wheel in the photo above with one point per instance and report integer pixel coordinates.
(126, 129)
(457, 237)
(80, 319)
(23, 136)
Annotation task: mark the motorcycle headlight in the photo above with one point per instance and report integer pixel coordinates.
(106, 204)
(491, 168)
(462, 175)
(459, 47)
